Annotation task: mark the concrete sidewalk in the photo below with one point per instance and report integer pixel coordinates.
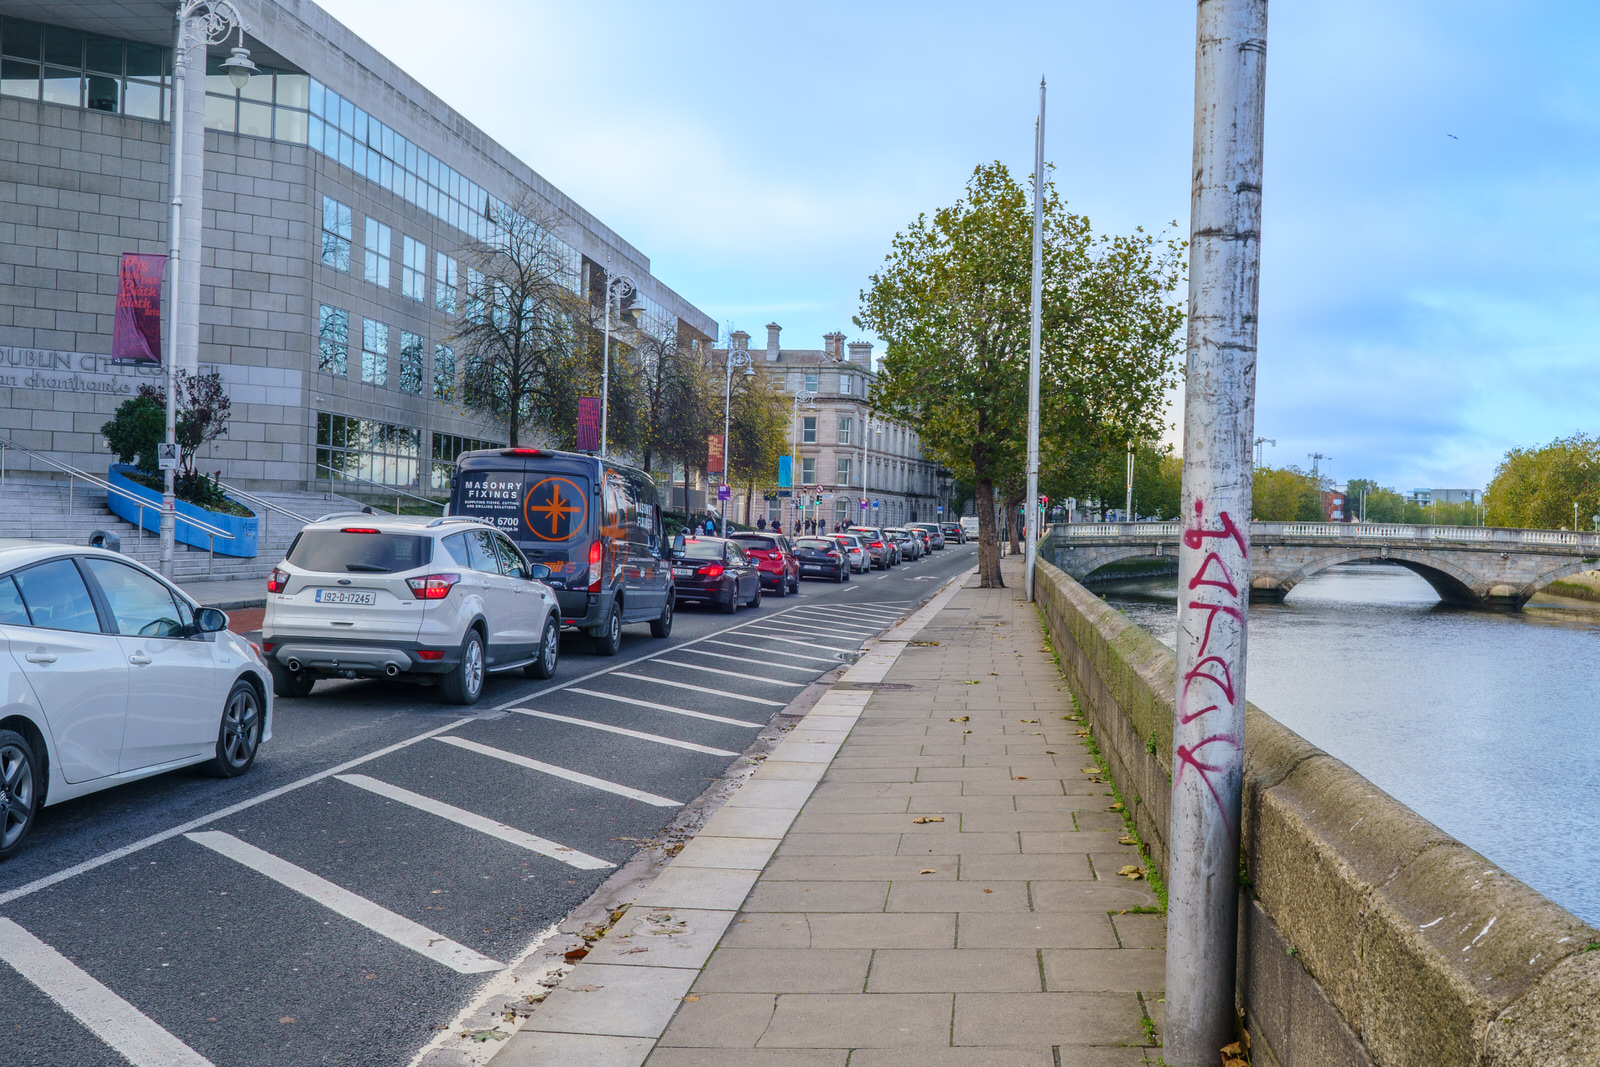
(922, 874)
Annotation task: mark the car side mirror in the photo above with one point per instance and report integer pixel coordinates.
(210, 621)
(538, 572)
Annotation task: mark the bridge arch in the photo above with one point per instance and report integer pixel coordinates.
(1083, 566)
(1576, 567)
(1453, 584)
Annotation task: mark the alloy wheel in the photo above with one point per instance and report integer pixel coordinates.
(241, 726)
(16, 794)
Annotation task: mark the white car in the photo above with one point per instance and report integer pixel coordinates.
(445, 601)
(852, 546)
(109, 674)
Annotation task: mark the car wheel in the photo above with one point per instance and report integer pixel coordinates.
(662, 627)
(287, 683)
(19, 775)
(794, 584)
(755, 601)
(783, 585)
(544, 663)
(239, 735)
(608, 642)
(464, 685)
(733, 597)
(843, 576)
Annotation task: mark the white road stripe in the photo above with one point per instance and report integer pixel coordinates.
(859, 612)
(380, 920)
(113, 1020)
(769, 636)
(751, 662)
(562, 772)
(625, 732)
(509, 834)
(636, 702)
(731, 674)
(779, 652)
(826, 627)
(697, 688)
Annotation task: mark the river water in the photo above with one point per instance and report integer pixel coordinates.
(1488, 725)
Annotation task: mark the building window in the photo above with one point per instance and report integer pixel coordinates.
(847, 383)
(845, 422)
(380, 245)
(374, 352)
(841, 509)
(333, 341)
(808, 430)
(336, 234)
(448, 446)
(83, 70)
(444, 372)
(811, 381)
(844, 470)
(808, 470)
(444, 289)
(410, 363)
(413, 270)
(373, 451)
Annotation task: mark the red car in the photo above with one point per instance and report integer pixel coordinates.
(780, 571)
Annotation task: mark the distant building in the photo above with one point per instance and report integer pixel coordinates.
(1423, 497)
(1333, 507)
(1457, 496)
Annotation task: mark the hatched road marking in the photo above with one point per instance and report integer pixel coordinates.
(699, 689)
(625, 732)
(562, 772)
(731, 674)
(636, 702)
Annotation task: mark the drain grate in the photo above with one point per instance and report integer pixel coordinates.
(895, 686)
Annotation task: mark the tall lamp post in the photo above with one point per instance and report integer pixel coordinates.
(613, 283)
(808, 398)
(204, 23)
(735, 359)
(866, 433)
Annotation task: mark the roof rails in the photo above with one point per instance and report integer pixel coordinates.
(452, 518)
(345, 515)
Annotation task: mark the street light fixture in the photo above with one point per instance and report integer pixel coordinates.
(613, 284)
(736, 358)
(204, 23)
(808, 398)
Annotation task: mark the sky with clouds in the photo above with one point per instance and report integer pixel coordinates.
(1427, 301)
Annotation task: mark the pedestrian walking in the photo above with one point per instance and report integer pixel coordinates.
(761, 523)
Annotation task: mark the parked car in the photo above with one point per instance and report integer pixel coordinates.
(969, 526)
(822, 557)
(855, 551)
(443, 602)
(774, 556)
(934, 531)
(909, 544)
(595, 523)
(714, 570)
(113, 675)
(953, 533)
(880, 548)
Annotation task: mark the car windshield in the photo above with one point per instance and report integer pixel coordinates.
(350, 551)
(754, 541)
(702, 550)
(816, 542)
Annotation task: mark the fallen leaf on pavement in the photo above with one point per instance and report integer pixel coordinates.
(631, 951)
(928, 818)
(1126, 839)
(1019, 777)
(1048, 752)
(1090, 770)
(486, 1035)
(927, 870)
(1117, 806)
(1130, 871)
(692, 996)
(988, 890)
(574, 955)
(585, 988)
(964, 718)
(973, 681)
(1027, 720)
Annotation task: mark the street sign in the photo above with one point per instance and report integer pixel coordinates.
(166, 456)
(863, 505)
(785, 493)
(724, 493)
(874, 505)
(941, 509)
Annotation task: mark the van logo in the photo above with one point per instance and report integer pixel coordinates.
(555, 509)
(344, 581)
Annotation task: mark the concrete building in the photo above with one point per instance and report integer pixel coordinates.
(338, 193)
(846, 453)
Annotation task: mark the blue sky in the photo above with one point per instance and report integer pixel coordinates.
(1427, 302)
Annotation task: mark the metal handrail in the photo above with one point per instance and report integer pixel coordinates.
(263, 508)
(387, 489)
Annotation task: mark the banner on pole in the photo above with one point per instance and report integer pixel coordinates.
(785, 471)
(714, 452)
(136, 325)
(588, 424)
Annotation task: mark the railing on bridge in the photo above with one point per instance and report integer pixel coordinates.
(1342, 531)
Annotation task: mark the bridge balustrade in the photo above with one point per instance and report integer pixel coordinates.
(1169, 531)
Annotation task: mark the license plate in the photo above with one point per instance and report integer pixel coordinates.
(345, 596)
(683, 572)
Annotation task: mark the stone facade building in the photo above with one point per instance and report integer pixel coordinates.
(338, 193)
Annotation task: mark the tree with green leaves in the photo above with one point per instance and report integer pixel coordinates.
(952, 302)
(1285, 495)
(1536, 488)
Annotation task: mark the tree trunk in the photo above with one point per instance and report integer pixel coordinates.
(988, 538)
(1011, 524)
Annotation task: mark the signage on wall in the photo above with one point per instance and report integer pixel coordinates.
(136, 325)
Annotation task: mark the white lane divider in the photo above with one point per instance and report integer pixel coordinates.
(697, 689)
(730, 674)
(834, 660)
(748, 662)
(110, 1018)
(767, 635)
(827, 628)
(380, 920)
(636, 702)
(625, 732)
(472, 821)
(562, 772)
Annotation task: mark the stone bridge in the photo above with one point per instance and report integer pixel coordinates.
(1476, 566)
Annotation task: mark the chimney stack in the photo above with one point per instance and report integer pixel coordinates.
(861, 353)
(773, 329)
(738, 341)
(833, 344)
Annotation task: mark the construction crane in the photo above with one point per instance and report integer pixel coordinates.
(1260, 455)
(1316, 458)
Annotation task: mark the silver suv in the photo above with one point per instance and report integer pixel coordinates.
(443, 601)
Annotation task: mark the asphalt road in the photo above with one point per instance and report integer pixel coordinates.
(388, 854)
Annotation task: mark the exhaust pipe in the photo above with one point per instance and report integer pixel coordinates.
(294, 666)
(391, 670)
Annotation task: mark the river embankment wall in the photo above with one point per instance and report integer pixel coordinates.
(1368, 937)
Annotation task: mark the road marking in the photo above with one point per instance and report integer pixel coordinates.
(562, 772)
(221, 813)
(778, 652)
(853, 611)
(113, 1020)
(570, 856)
(380, 920)
(698, 689)
(824, 627)
(731, 674)
(625, 732)
(636, 702)
(751, 662)
(768, 636)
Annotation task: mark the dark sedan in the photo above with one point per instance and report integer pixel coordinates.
(821, 557)
(715, 571)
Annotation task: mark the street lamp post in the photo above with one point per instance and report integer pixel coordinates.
(204, 23)
(735, 359)
(866, 432)
(613, 281)
(808, 398)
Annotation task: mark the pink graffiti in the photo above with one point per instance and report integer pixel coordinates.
(1224, 683)
(1189, 757)
(1195, 537)
(1213, 573)
(1225, 582)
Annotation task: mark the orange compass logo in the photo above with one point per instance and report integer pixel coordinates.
(555, 509)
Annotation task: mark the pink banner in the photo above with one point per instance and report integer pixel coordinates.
(136, 327)
(588, 424)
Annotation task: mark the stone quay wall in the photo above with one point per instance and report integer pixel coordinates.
(1367, 936)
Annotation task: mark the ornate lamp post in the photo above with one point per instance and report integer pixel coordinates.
(736, 358)
(204, 23)
(613, 284)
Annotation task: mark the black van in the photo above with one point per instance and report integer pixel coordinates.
(595, 523)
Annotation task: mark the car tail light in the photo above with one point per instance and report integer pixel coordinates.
(268, 646)
(430, 653)
(876, 544)
(710, 570)
(432, 586)
(596, 550)
(278, 580)
(358, 529)
(834, 555)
